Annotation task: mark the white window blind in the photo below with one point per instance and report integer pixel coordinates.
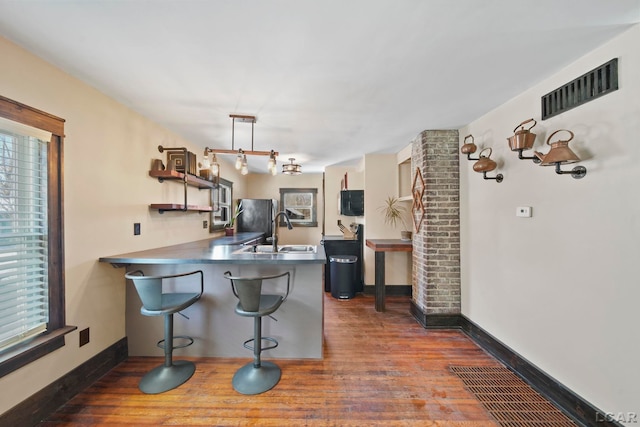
(24, 295)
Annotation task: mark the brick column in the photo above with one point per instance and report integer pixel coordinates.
(436, 246)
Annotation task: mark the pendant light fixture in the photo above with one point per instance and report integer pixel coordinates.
(291, 168)
(241, 155)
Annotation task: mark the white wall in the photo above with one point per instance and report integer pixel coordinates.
(562, 288)
(107, 155)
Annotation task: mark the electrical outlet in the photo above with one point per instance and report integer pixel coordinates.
(84, 337)
(136, 228)
(205, 223)
(523, 211)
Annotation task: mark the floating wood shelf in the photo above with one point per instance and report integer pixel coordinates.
(186, 180)
(162, 207)
(192, 180)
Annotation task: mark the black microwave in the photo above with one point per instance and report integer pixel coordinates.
(352, 202)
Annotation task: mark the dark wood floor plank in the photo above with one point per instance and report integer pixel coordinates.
(379, 368)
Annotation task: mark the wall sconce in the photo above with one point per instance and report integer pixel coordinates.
(523, 139)
(485, 164)
(469, 148)
(241, 155)
(559, 154)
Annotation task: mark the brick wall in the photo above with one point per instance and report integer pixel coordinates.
(436, 246)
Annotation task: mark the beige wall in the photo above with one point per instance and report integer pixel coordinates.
(107, 154)
(377, 175)
(380, 182)
(561, 288)
(333, 178)
(265, 186)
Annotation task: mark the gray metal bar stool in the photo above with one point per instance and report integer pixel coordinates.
(156, 303)
(258, 376)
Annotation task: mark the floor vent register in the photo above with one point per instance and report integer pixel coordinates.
(510, 400)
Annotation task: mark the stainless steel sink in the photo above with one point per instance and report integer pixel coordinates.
(282, 249)
(298, 249)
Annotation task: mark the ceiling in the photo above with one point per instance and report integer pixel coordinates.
(328, 80)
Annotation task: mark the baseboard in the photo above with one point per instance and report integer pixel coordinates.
(581, 411)
(390, 290)
(434, 321)
(45, 402)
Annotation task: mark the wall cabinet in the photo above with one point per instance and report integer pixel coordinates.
(188, 181)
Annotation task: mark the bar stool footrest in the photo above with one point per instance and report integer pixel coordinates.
(188, 342)
(250, 347)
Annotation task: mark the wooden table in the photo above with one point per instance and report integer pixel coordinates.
(380, 246)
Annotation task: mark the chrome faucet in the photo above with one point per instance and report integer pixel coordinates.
(274, 229)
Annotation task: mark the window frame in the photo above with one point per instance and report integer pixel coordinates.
(313, 221)
(221, 207)
(53, 338)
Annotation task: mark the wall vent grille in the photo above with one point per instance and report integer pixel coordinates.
(589, 86)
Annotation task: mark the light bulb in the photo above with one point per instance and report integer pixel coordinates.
(274, 170)
(239, 161)
(214, 165)
(244, 168)
(205, 163)
(271, 164)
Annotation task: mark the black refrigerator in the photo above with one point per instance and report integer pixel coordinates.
(256, 216)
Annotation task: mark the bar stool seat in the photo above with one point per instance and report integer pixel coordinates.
(155, 302)
(257, 376)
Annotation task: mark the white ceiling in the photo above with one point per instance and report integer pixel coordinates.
(329, 80)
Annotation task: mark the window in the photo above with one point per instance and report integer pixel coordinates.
(300, 205)
(221, 199)
(32, 312)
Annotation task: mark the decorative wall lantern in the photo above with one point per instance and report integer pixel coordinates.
(485, 164)
(523, 139)
(559, 154)
(469, 148)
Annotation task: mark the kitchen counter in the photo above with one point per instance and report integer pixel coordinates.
(216, 329)
(213, 251)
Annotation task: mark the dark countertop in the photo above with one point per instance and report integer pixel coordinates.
(214, 251)
(236, 239)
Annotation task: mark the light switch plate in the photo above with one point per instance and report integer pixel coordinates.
(523, 211)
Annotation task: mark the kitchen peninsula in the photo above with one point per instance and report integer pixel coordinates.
(216, 329)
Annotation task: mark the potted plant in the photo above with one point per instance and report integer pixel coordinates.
(395, 212)
(229, 226)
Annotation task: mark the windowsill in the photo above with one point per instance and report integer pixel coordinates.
(32, 350)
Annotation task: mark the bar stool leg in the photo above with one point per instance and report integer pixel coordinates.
(256, 377)
(171, 374)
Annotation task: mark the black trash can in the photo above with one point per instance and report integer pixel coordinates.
(342, 269)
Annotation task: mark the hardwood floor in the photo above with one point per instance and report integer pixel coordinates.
(378, 369)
